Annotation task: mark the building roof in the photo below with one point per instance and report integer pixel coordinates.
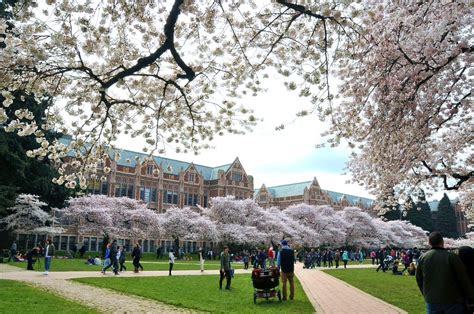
(295, 189)
(433, 205)
(171, 166)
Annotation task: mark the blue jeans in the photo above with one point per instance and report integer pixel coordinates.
(432, 308)
(47, 263)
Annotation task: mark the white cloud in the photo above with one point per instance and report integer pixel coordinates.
(275, 157)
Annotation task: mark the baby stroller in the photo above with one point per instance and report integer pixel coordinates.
(387, 263)
(308, 261)
(266, 283)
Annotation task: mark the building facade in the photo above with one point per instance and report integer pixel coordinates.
(308, 192)
(461, 221)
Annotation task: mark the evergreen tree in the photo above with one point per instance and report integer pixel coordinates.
(390, 207)
(21, 174)
(393, 214)
(447, 223)
(419, 214)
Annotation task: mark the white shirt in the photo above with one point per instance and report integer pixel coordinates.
(46, 253)
(171, 255)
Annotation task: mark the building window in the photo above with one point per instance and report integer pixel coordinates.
(149, 170)
(170, 197)
(98, 187)
(124, 189)
(236, 176)
(191, 199)
(205, 201)
(263, 198)
(191, 177)
(148, 194)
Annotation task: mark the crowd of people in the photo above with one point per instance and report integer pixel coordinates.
(445, 279)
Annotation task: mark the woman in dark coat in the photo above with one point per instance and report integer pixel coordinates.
(136, 255)
(466, 254)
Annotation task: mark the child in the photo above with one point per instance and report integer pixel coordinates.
(395, 270)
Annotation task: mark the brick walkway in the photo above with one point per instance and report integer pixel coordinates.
(331, 295)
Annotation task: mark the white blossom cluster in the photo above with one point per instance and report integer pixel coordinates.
(173, 73)
(27, 216)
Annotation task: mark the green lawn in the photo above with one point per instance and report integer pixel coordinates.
(18, 297)
(80, 265)
(400, 291)
(202, 293)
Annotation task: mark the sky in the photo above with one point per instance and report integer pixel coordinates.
(277, 157)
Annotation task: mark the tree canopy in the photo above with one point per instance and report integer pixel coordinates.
(173, 73)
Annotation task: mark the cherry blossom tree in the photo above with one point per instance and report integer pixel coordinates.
(401, 233)
(170, 72)
(407, 97)
(329, 227)
(27, 216)
(185, 224)
(161, 71)
(115, 216)
(361, 229)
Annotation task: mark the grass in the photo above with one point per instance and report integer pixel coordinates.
(202, 293)
(401, 291)
(18, 297)
(80, 265)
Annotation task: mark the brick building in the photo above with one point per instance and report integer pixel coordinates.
(461, 220)
(308, 192)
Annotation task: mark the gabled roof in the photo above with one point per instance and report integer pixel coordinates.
(287, 189)
(295, 189)
(172, 166)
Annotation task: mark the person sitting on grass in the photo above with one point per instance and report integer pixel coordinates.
(18, 258)
(412, 269)
(395, 270)
(90, 261)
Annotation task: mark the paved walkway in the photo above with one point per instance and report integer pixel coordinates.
(331, 295)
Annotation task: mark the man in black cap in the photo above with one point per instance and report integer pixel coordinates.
(286, 263)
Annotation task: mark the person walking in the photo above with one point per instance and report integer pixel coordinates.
(136, 255)
(442, 279)
(345, 258)
(113, 256)
(201, 259)
(372, 256)
(171, 261)
(330, 258)
(121, 258)
(107, 262)
(286, 264)
(13, 250)
(225, 270)
(337, 257)
(48, 255)
(360, 257)
(245, 259)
